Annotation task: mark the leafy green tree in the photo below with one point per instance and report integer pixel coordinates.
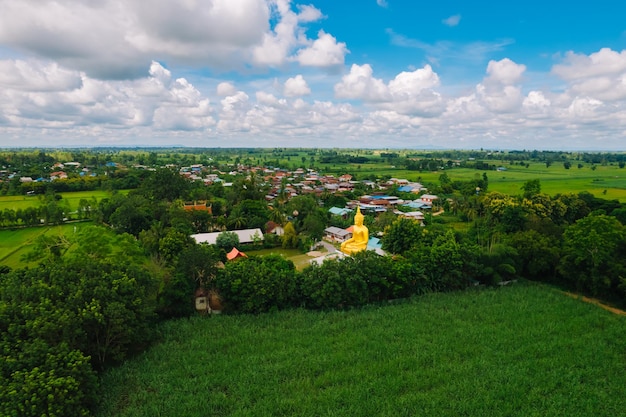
(132, 216)
(594, 254)
(497, 264)
(59, 319)
(531, 188)
(165, 184)
(537, 254)
(196, 267)
(259, 284)
(227, 241)
(402, 235)
(290, 237)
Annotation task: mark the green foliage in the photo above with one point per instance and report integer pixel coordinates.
(356, 280)
(497, 264)
(594, 254)
(531, 188)
(258, 284)
(84, 307)
(402, 235)
(289, 237)
(57, 317)
(165, 184)
(46, 380)
(447, 263)
(227, 241)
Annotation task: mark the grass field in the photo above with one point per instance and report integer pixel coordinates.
(14, 243)
(523, 350)
(554, 179)
(299, 259)
(14, 202)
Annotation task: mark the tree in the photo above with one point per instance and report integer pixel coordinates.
(165, 184)
(537, 254)
(196, 267)
(60, 319)
(402, 235)
(531, 188)
(594, 254)
(258, 284)
(290, 237)
(227, 240)
(132, 216)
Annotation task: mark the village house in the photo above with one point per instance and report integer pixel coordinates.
(337, 234)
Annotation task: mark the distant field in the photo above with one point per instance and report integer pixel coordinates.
(523, 350)
(14, 202)
(17, 242)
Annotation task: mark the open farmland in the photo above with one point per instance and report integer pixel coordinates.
(14, 243)
(514, 351)
(15, 202)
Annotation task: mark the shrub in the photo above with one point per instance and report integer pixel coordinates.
(258, 284)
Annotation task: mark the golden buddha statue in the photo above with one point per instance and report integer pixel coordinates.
(360, 236)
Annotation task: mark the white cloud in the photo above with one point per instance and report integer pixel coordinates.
(296, 86)
(382, 3)
(360, 84)
(113, 39)
(605, 62)
(601, 75)
(504, 109)
(288, 42)
(412, 83)
(408, 93)
(324, 52)
(453, 20)
(225, 89)
(505, 71)
(37, 76)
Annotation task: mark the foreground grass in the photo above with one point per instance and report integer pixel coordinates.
(525, 350)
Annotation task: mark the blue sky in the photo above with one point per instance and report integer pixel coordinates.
(323, 73)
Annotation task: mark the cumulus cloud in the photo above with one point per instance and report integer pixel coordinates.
(408, 93)
(296, 86)
(504, 72)
(453, 20)
(324, 52)
(287, 41)
(360, 84)
(602, 63)
(37, 76)
(382, 3)
(225, 89)
(156, 101)
(113, 39)
(601, 75)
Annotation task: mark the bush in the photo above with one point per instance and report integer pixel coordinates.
(258, 284)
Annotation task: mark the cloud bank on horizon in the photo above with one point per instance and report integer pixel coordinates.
(280, 73)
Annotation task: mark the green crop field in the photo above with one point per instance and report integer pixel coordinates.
(14, 243)
(522, 350)
(14, 202)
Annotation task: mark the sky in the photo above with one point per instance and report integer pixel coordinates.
(410, 74)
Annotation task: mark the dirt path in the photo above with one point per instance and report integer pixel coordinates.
(598, 303)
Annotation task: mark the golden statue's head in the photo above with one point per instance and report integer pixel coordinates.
(358, 217)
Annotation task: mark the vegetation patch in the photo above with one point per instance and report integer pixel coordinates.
(515, 351)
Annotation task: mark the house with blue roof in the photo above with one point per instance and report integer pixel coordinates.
(343, 212)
